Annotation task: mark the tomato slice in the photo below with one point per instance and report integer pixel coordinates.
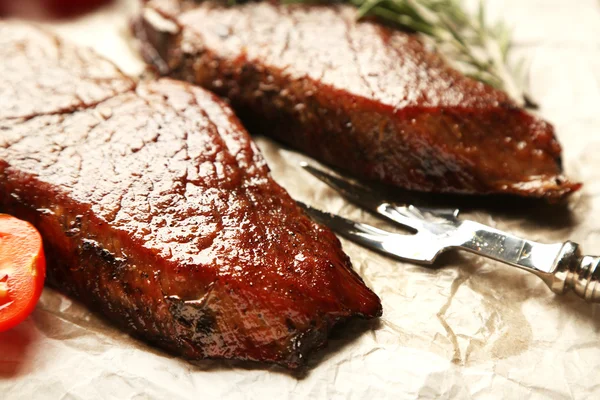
(22, 270)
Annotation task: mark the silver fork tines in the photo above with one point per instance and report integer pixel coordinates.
(437, 230)
(406, 247)
(407, 216)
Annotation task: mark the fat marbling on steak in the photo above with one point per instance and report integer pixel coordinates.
(356, 95)
(157, 210)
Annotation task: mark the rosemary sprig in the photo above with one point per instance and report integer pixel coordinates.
(468, 41)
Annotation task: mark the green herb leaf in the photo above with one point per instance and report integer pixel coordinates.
(468, 42)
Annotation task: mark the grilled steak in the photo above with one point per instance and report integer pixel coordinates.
(356, 95)
(157, 209)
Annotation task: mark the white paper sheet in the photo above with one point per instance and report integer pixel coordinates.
(469, 329)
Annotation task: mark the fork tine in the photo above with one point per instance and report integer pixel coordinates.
(341, 224)
(359, 195)
(406, 247)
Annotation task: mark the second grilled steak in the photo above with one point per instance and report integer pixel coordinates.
(157, 209)
(356, 95)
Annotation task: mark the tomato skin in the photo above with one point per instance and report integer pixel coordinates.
(22, 270)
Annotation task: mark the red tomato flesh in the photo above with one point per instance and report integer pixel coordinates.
(22, 270)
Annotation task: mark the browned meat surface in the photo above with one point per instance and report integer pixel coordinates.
(359, 96)
(64, 78)
(157, 209)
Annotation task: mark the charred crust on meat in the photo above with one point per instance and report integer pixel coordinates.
(195, 315)
(88, 246)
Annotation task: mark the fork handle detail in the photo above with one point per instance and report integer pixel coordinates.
(560, 265)
(572, 271)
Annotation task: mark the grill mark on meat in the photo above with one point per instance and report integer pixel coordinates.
(357, 95)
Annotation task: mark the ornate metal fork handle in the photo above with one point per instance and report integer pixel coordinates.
(561, 265)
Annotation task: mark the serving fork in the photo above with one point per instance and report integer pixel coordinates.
(560, 265)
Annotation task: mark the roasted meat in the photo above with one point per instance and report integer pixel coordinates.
(157, 210)
(357, 95)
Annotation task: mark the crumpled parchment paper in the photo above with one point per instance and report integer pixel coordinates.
(467, 329)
